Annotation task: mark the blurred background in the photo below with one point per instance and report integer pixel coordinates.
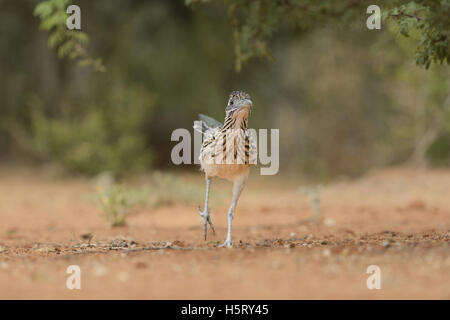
(345, 99)
(86, 176)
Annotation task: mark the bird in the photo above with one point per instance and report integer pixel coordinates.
(227, 151)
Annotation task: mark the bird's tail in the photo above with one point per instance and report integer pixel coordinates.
(206, 124)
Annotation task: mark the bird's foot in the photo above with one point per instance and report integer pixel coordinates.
(206, 219)
(226, 244)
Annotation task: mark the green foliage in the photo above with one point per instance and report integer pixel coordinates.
(69, 43)
(101, 137)
(164, 189)
(347, 99)
(254, 23)
(439, 151)
(116, 203)
(432, 20)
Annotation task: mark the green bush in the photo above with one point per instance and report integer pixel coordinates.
(439, 152)
(103, 137)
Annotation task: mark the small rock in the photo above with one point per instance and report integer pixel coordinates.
(289, 245)
(87, 236)
(328, 222)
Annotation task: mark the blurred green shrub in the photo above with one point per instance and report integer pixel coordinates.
(255, 23)
(338, 115)
(438, 153)
(115, 204)
(117, 201)
(102, 137)
(71, 43)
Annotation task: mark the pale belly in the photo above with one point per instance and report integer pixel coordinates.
(226, 171)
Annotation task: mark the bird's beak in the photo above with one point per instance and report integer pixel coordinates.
(243, 104)
(246, 103)
(243, 109)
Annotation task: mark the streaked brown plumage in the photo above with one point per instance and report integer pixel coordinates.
(227, 152)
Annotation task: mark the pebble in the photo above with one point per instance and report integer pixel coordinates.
(328, 222)
(386, 243)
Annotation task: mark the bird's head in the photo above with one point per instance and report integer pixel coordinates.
(240, 103)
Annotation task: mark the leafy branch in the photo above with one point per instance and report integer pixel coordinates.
(254, 23)
(433, 24)
(69, 43)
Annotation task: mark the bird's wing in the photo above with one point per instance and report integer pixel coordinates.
(210, 122)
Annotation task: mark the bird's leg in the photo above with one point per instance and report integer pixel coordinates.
(238, 185)
(205, 213)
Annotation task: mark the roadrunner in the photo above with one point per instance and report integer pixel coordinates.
(227, 152)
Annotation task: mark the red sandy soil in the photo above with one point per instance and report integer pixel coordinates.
(397, 219)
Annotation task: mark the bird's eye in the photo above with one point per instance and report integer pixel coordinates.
(231, 102)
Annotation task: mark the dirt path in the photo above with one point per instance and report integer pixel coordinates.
(397, 219)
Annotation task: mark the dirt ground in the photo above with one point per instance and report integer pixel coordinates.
(397, 219)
